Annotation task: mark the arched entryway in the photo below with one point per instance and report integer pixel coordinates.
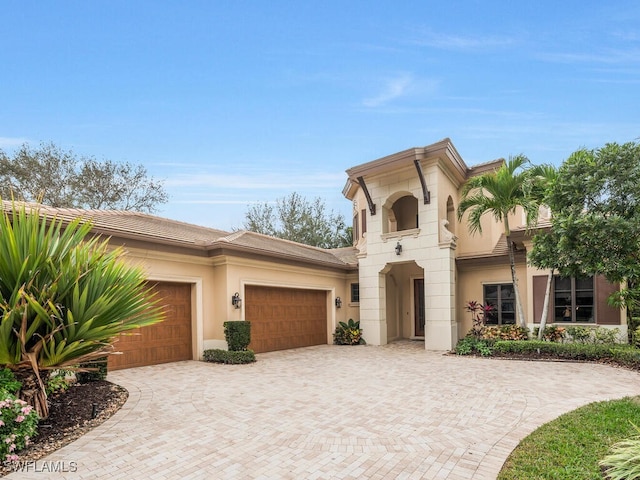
(404, 300)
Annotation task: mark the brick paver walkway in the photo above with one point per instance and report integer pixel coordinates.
(327, 412)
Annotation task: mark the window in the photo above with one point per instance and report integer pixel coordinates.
(451, 216)
(356, 233)
(405, 211)
(502, 297)
(355, 293)
(573, 300)
(363, 214)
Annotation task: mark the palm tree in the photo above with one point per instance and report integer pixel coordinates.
(542, 177)
(64, 297)
(499, 193)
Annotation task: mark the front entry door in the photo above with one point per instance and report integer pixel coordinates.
(418, 306)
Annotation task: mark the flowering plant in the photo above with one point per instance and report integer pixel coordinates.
(18, 423)
(479, 314)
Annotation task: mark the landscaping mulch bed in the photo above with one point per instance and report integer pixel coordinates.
(72, 414)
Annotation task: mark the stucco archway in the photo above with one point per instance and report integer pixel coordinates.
(404, 294)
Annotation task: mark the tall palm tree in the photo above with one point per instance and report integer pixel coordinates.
(542, 178)
(499, 193)
(64, 297)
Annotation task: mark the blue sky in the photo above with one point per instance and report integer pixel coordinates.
(247, 101)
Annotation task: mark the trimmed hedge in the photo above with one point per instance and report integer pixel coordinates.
(238, 335)
(624, 355)
(216, 355)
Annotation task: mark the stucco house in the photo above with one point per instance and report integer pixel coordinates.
(410, 273)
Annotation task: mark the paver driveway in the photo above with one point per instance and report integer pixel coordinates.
(329, 412)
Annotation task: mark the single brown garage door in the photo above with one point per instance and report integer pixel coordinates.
(284, 318)
(167, 341)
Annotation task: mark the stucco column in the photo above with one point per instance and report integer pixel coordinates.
(373, 309)
(441, 328)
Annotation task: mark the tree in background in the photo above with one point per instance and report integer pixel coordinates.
(300, 220)
(595, 204)
(59, 178)
(64, 297)
(499, 193)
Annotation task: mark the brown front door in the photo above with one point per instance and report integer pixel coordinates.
(418, 306)
(283, 318)
(167, 341)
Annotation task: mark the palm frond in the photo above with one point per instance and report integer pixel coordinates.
(64, 296)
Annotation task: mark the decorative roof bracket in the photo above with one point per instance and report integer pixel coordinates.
(425, 192)
(372, 206)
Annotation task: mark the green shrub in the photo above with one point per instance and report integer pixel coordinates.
(18, 421)
(57, 382)
(636, 337)
(471, 345)
(633, 325)
(606, 336)
(216, 355)
(623, 463)
(8, 381)
(348, 333)
(551, 333)
(597, 334)
(580, 334)
(97, 371)
(624, 355)
(504, 332)
(238, 335)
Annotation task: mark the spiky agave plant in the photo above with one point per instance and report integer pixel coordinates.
(64, 297)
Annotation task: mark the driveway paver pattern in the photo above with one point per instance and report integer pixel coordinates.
(329, 412)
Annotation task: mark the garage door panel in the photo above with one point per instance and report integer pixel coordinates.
(283, 318)
(167, 341)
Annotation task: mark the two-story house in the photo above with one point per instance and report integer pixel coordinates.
(409, 275)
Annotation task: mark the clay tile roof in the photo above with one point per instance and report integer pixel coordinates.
(283, 248)
(346, 254)
(152, 229)
(484, 167)
(501, 247)
(124, 223)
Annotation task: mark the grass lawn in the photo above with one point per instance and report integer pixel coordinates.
(570, 446)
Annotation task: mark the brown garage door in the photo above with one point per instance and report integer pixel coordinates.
(284, 318)
(167, 341)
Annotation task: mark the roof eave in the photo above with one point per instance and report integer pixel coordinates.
(226, 248)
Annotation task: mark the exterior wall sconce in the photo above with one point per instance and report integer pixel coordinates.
(398, 248)
(338, 302)
(236, 301)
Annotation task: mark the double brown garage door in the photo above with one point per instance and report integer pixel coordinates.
(283, 318)
(167, 341)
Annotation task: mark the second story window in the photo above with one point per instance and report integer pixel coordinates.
(403, 214)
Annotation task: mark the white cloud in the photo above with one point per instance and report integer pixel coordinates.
(394, 88)
(611, 56)
(11, 142)
(458, 42)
